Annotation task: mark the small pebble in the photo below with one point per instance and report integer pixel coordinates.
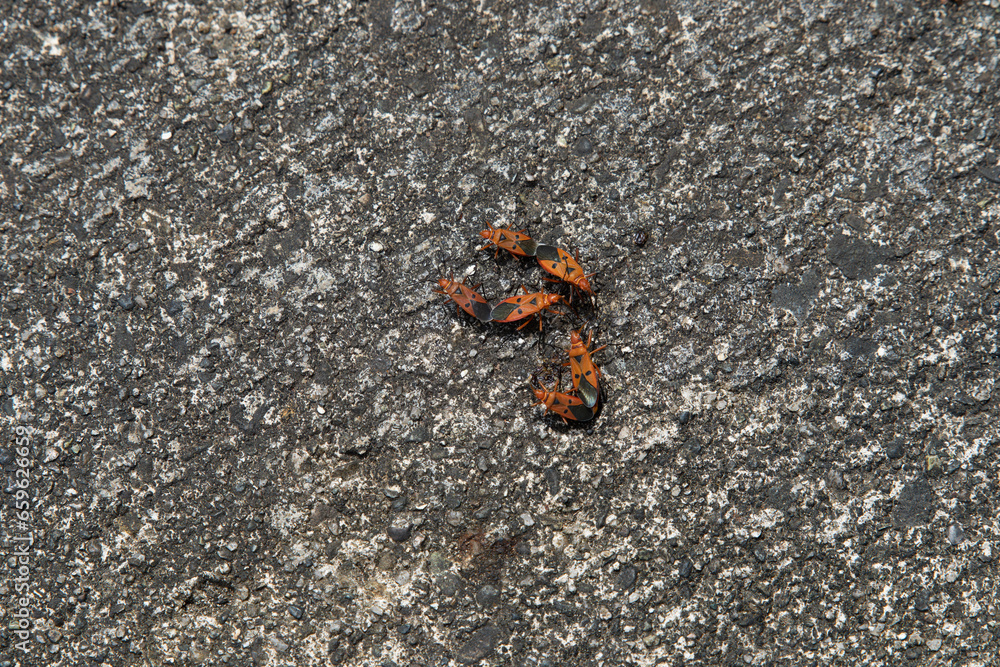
(626, 579)
(955, 534)
(436, 562)
(584, 146)
(487, 595)
(399, 532)
(375, 246)
(895, 449)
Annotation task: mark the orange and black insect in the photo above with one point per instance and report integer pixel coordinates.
(566, 406)
(561, 264)
(516, 243)
(465, 297)
(527, 305)
(586, 374)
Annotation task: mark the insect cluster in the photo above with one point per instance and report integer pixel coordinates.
(581, 403)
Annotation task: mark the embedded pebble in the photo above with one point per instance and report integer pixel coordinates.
(487, 595)
(895, 449)
(481, 644)
(627, 577)
(399, 532)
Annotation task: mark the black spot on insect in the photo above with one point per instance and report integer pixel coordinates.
(640, 238)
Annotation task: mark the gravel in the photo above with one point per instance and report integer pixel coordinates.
(257, 436)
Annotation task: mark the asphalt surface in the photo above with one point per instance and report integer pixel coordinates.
(241, 428)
